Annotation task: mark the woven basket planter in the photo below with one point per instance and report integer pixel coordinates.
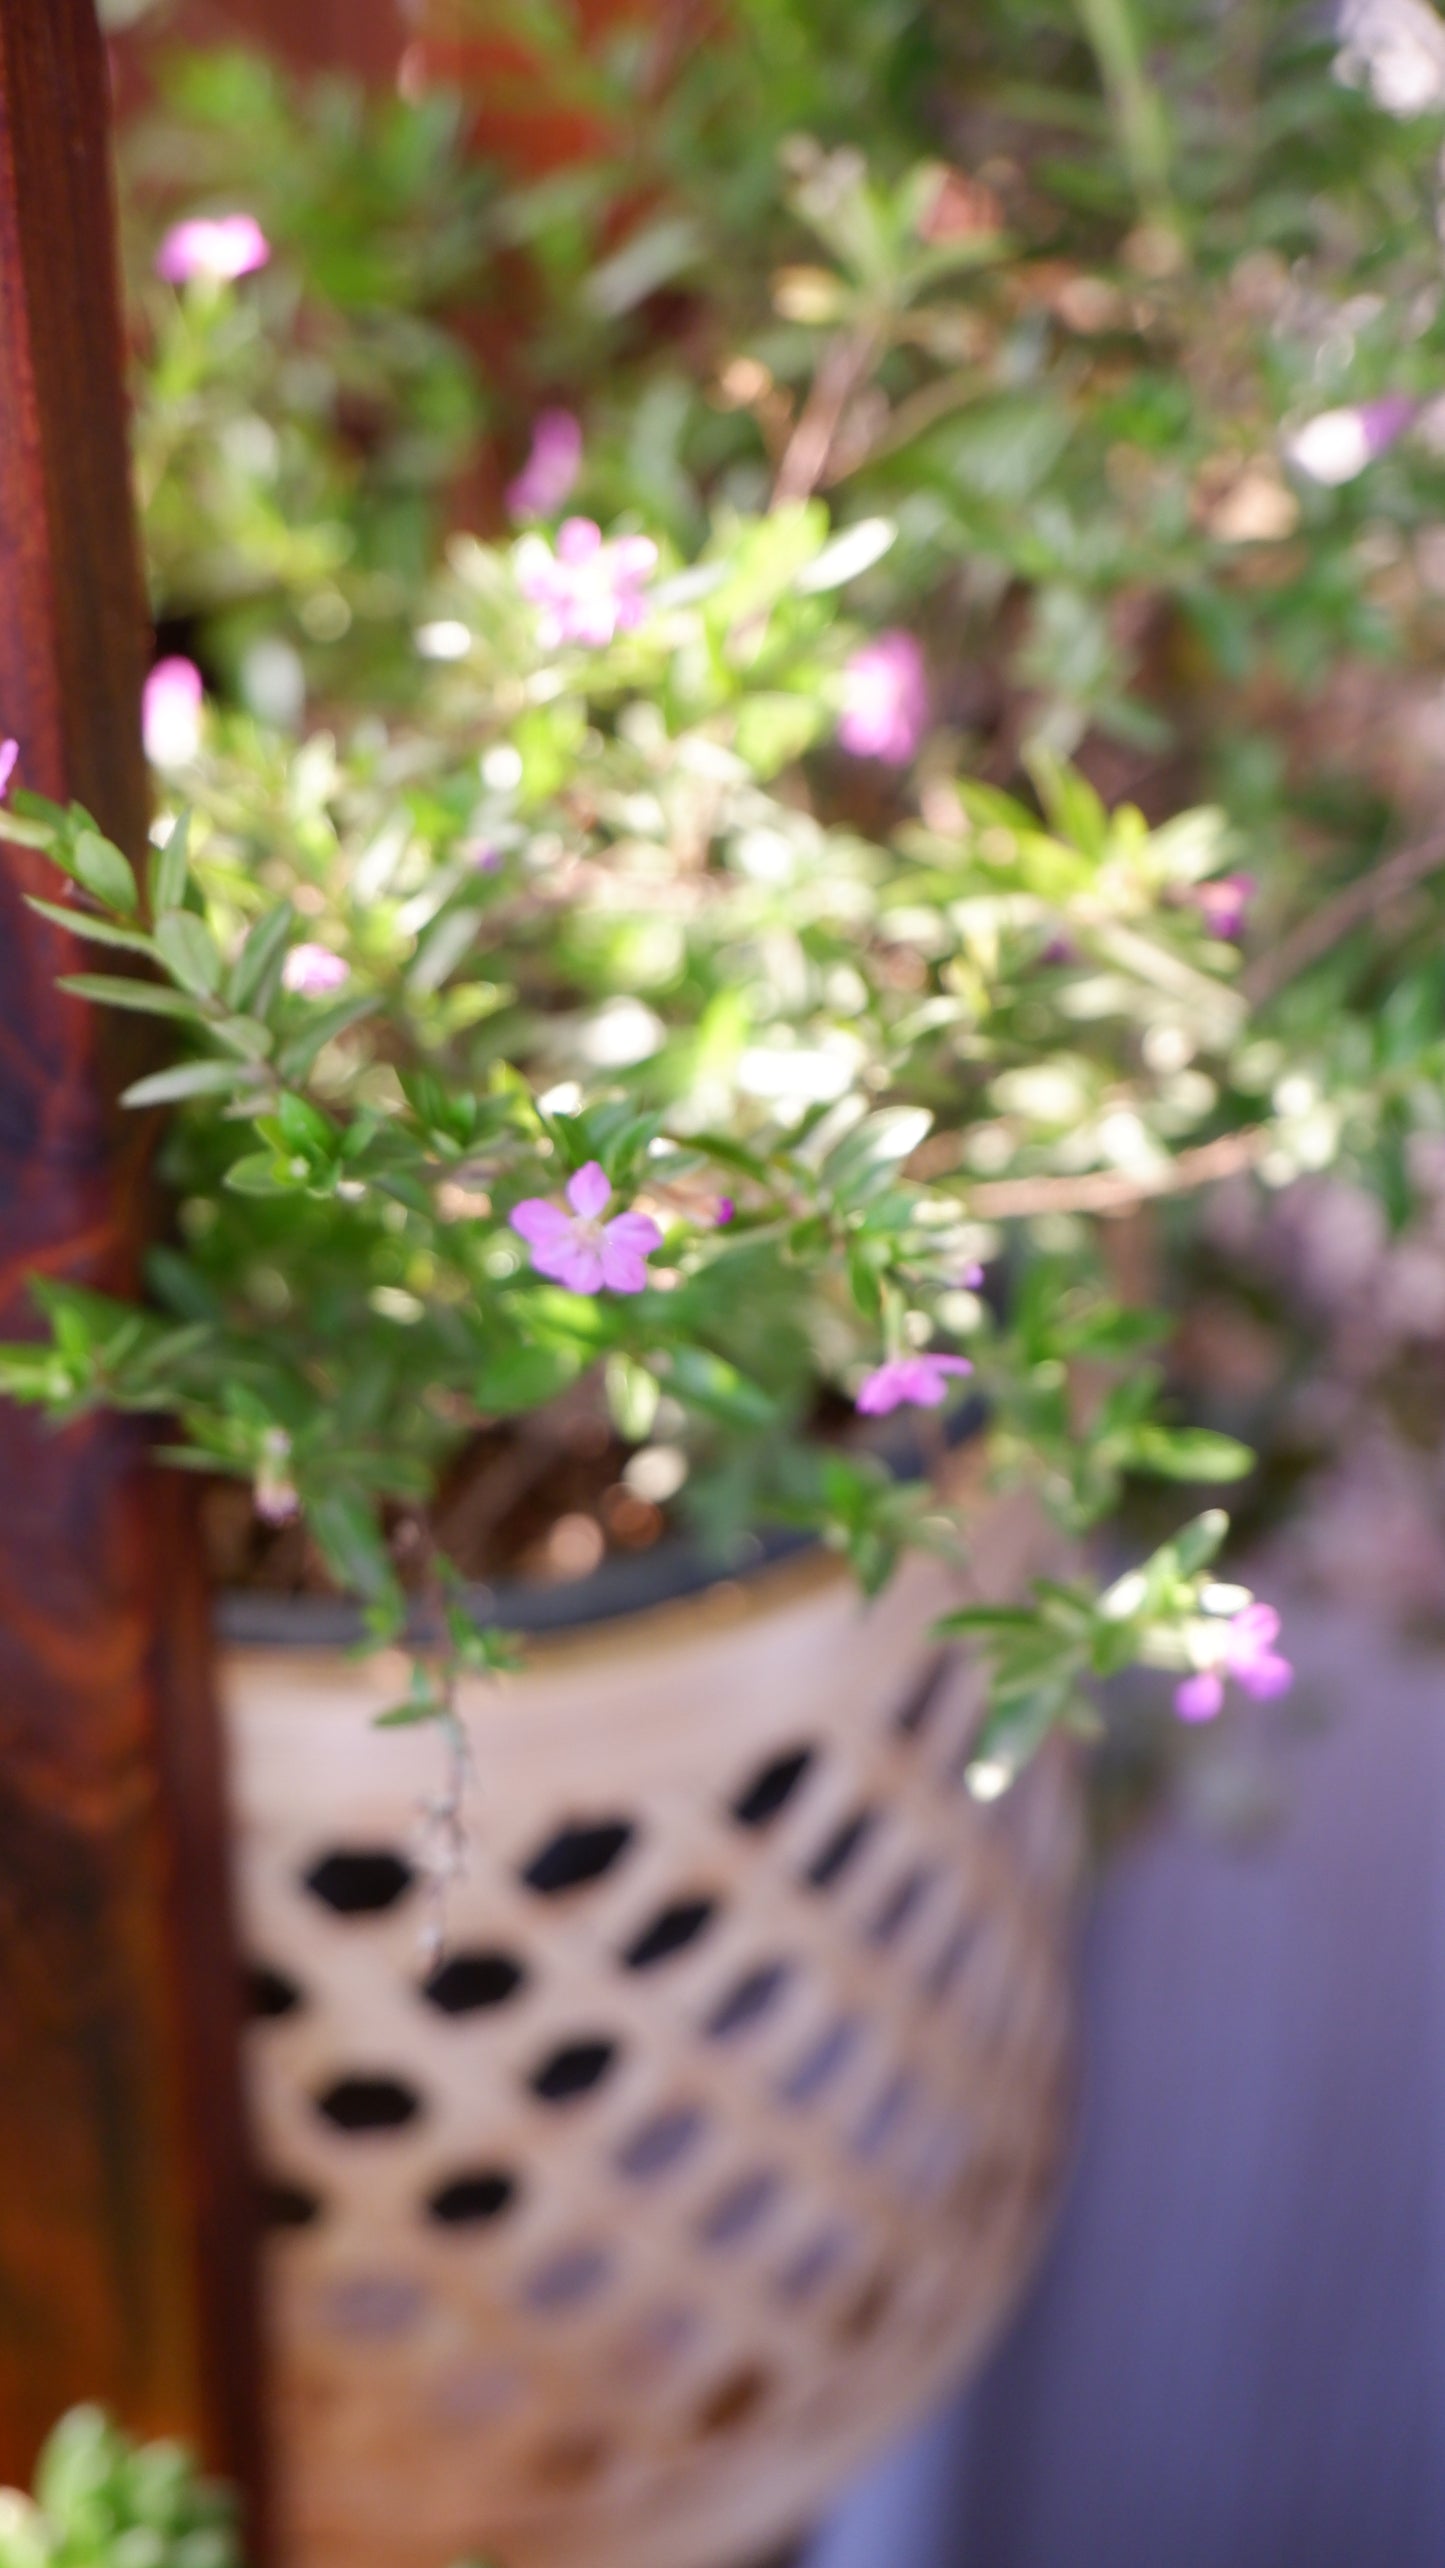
(727, 2127)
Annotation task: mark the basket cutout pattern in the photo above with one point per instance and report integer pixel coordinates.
(725, 2125)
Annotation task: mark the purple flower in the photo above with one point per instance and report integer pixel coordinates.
(972, 1278)
(9, 760)
(1245, 1651)
(581, 1250)
(551, 468)
(1336, 445)
(485, 858)
(313, 971)
(885, 700)
(171, 713)
(724, 1211)
(909, 1382)
(586, 590)
(1222, 904)
(223, 246)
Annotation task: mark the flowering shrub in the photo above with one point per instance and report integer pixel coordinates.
(640, 967)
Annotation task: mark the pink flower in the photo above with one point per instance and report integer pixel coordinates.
(723, 1211)
(972, 1278)
(587, 590)
(313, 971)
(276, 1499)
(1336, 445)
(223, 246)
(551, 468)
(1245, 1651)
(1222, 904)
(910, 1382)
(485, 858)
(9, 760)
(885, 700)
(171, 713)
(579, 1249)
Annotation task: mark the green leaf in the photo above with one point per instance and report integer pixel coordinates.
(190, 952)
(188, 1079)
(260, 960)
(632, 1396)
(104, 872)
(98, 931)
(709, 1383)
(348, 1534)
(148, 998)
(1186, 1453)
(166, 879)
(259, 1172)
(522, 1377)
(1196, 1546)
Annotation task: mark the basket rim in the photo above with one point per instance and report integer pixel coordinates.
(679, 1574)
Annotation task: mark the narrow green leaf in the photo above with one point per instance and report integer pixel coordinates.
(97, 931)
(166, 877)
(259, 961)
(148, 998)
(104, 872)
(188, 1079)
(190, 952)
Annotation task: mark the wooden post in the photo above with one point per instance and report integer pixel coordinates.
(125, 2260)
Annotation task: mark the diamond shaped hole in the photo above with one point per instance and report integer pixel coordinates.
(270, 1994)
(572, 2460)
(741, 2210)
(842, 1850)
(771, 1789)
(369, 2104)
(569, 2279)
(670, 1932)
(736, 2398)
(661, 2143)
(749, 2002)
(360, 1881)
(468, 2200)
(917, 1710)
(823, 2060)
(573, 2071)
(468, 1982)
(578, 1855)
(901, 1906)
(288, 2206)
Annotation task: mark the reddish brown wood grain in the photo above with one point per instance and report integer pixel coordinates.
(125, 2265)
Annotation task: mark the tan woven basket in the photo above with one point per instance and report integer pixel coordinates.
(726, 2129)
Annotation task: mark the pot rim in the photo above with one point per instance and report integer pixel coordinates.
(678, 1571)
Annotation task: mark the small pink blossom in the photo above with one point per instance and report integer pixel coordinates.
(587, 590)
(580, 1249)
(910, 1382)
(171, 713)
(276, 1499)
(1244, 1650)
(723, 1211)
(9, 761)
(313, 971)
(545, 480)
(885, 700)
(1223, 903)
(485, 858)
(222, 246)
(972, 1278)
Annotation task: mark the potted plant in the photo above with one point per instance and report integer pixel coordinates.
(608, 1034)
